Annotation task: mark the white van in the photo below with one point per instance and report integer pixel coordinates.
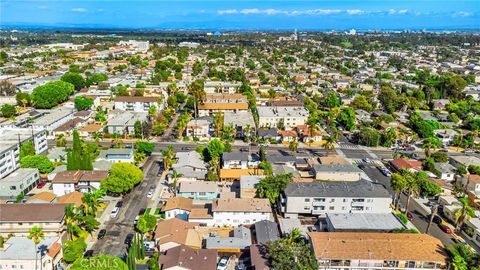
(114, 212)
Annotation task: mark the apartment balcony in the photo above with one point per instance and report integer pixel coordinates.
(318, 203)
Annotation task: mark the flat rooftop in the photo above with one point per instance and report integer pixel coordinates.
(364, 222)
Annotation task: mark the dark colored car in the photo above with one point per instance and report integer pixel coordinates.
(41, 184)
(312, 229)
(445, 228)
(142, 211)
(88, 253)
(119, 204)
(101, 233)
(128, 239)
(437, 219)
(410, 216)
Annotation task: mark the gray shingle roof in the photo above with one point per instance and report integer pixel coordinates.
(361, 189)
(266, 231)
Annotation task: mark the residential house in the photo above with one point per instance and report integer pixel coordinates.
(406, 164)
(18, 182)
(322, 198)
(42, 197)
(20, 253)
(440, 104)
(268, 134)
(138, 103)
(237, 211)
(473, 231)
(57, 154)
(235, 160)
(18, 218)
(77, 180)
(289, 117)
(123, 123)
(241, 240)
(53, 118)
(186, 258)
(190, 166)
(11, 139)
(174, 232)
(445, 171)
(89, 129)
(308, 135)
(198, 190)
(242, 121)
(199, 128)
(363, 222)
(258, 257)
(335, 172)
(371, 250)
(446, 136)
(68, 127)
(178, 207)
(248, 184)
(203, 216)
(221, 103)
(266, 231)
(116, 155)
(288, 135)
(212, 87)
(465, 161)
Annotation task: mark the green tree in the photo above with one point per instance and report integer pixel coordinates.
(285, 256)
(73, 249)
(439, 157)
(293, 145)
(361, 102)
(100, 262)
(168, 157)
(431, 143)
(429, 189)
(74, 78)
(91, 202)
(346, 118)
(145, 147)
(398, 184)
(369, 137)
(27, 149)
(462, 214)
(146, 223)
(137, 127)
(7, 88)
(36, 234)
(329, 144)
(83, 103)
(270, 187)
(51, 94)
(463, 257)
(41, 162)
(123, 177)
(96, 78)
(78, 158)
(23, 99)
(153, 262)
(332, 100)
(8, 110)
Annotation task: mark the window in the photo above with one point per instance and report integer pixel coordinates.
(343, 207)
(332, 200)
(306, 208)
(319, 200)
(331, 208)
(13, 188)
(202, 193)
(307, 200)
(345, 200)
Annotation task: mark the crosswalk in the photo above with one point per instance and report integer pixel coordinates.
(372, 162)
(349, 146)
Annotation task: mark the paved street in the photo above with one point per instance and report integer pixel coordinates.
(119, 227)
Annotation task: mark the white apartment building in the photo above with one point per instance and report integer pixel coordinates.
(236, 211)
(11, 139)
(271, 116)
(137, 103)
(54, 118)
(321, 198)
(211, 87)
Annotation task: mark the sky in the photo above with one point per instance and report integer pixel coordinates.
(244, 14)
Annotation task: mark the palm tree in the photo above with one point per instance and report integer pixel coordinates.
(91, 202)
(36, 234)
(295, 234)
(247, 132)
(462, 214)
(61, 141)
(175, 176)
(168, 157)
(293, 145)
(398, 184)
(116, 137)
(72, 217)
(329, 144)
(463, 257)
(412, 185)
(96, 136)
(431, 143)
(229, 132)
(218, 124)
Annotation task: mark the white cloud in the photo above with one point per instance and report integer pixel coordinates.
(228, 11)
(463, 14)
(355, 11)
(80, 10)
(402, 11)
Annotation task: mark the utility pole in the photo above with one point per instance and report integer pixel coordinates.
(434, 212)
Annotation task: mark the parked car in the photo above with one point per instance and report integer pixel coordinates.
(437, 219)
(128, 239)
(41, 184)
(150, 192)
(88, 253)
(119, 204)
(101, 233)
(114, 212)
(385, 171)
(142, 211)
(243, 149)
(223, 263)
(410, 216)
(312, 229)
(136, 220)
(445, 228)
